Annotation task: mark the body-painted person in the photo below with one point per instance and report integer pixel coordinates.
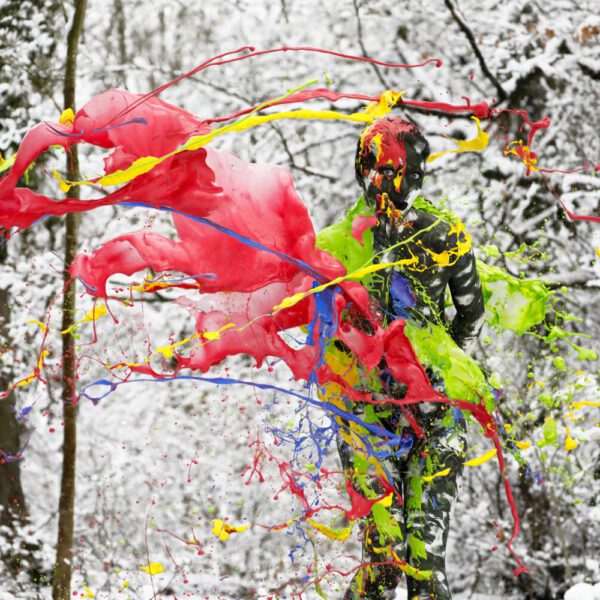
(407, 532)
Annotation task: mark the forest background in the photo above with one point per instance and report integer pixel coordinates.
(156, 462)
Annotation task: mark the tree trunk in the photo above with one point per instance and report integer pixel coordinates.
(61, 581)
(12, 500)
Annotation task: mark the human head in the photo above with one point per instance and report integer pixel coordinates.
(390, 159)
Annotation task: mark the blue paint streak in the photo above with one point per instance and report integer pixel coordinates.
(242, 238)
(80, 133)
(376, 430)
(326, 323)
(401, 294)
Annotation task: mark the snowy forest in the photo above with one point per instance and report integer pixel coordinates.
(124, 497)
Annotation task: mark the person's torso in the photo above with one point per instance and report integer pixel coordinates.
(424, 249)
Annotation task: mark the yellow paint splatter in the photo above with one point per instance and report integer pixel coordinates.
(333, 534)
(154, 568)
(215, 335)
(7, 163)
(578, 405)
(522, 445)
(41, 325)
(63, 184)
(387, 101)
(479, 460)
(386, 501)
(477, 144)
(443, 473)
(98, 311)
(418, 574)
(67, 117)
(570, 443)
(222, 530)
(523, 152)
(449, 257)
(169, 351)
(87, 593)
(34, 373)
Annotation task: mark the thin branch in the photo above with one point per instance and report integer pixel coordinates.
(363, 49)
(284, 11)
(502, 95)
(292, 161)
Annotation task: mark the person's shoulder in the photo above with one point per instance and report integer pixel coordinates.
(423, 219)
(442, 228)
(425, 216)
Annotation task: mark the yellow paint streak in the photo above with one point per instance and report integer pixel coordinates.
(386, 501)
(154, 568)
(377, 140)
(570, 443)
(145, 164)
(63, 184)
(42, 326)
(398, 181)
(150, 285)
(87, 593)
(479, 460)
(477, 144)
(34, 373)
(581, 403)
(358, 274)
(387, 101)
(283, 525)
(168, 351)
(418, 574)
(443, 473)
(215, 335)
(98, 311)
(449, 257)
(222, 530)
(523, 152)
(7, 163)
(333, 534)
(523, 445)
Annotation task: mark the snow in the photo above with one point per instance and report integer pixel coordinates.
(138, 448)
(583, 591)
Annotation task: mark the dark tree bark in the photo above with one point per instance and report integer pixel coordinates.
(61, 581)
(12, 499)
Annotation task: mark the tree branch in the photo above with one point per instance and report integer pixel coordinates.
(363, 49)
(502, 95)
(292, 161)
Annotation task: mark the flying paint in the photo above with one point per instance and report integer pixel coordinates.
(284, 277)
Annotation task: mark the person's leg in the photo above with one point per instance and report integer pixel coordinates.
(431, 486)
(382, 530)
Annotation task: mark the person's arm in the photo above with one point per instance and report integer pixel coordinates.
(465, 287)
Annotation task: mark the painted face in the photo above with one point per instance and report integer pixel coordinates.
(398, 168)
